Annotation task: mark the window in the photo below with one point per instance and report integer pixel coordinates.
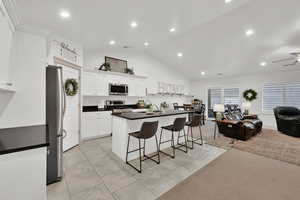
(214, 97)
(222, 96)
(281, 95)
(232, 96)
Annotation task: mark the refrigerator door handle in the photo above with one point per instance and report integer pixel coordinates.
(63, 96)
(65, 133)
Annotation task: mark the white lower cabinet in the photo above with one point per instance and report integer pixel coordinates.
(96, 124)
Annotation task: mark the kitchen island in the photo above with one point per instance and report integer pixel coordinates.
(125, 123)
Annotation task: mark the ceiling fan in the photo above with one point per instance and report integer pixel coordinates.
(295, 59)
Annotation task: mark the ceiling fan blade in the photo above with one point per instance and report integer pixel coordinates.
(295, 53)
(283, 60)
(288, 65)
(291, 64)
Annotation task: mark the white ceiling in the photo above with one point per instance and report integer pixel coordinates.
(209, 33)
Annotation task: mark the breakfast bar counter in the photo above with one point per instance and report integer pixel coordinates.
(125, 123)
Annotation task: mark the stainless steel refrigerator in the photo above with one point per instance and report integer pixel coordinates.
(55, 109)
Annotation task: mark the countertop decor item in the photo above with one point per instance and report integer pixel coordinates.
(71, 87)
(105, 67)
(164, 106)
(129, 71)
(250, 95)
(141, 104)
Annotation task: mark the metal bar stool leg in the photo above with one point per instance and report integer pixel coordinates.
(127, 148)
(140, 155)
(178, 138)
(157, 149)
(144, 148)
(185, 138)
(180, 145)
(215, 131)
(192, 137)
(201, 135)
(188, 140)
(173, 144)
(160, 138)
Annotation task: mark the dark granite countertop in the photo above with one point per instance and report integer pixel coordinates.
(108, 108)
(143, 115)
(23, 138)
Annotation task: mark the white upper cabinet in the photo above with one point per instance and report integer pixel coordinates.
(6, 36)
(137, 88)
(95, 84)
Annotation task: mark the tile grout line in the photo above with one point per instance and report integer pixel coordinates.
(101, 178)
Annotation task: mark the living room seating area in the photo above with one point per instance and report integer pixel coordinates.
(288, 120)
(237, 125)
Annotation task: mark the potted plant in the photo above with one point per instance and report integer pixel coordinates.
(105, 67)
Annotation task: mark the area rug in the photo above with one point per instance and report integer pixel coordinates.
(268, 143)
(238, 175)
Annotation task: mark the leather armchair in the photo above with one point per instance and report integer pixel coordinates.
(239, 126)
(288, 120)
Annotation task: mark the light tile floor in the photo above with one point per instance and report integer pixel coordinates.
(93, 172)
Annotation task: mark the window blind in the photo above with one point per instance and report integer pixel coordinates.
(232, 96)
(281, 95)
(214, 97)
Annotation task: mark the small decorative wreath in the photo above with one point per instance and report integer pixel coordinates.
(250, 95)
(71, 87)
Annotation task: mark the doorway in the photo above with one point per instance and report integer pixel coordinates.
(71, 120)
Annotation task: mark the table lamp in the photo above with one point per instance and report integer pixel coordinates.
(219, 109)
(246, 105)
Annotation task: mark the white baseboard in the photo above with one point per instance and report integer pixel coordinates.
(94, 137)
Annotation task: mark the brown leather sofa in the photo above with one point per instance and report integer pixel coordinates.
(238, 126)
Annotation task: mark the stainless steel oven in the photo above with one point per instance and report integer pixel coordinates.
(118, 89)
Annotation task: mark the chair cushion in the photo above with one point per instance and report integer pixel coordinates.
(170, 127)
(188, 123)
(135, 134)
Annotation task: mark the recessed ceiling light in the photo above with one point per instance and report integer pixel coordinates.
(172, 30)
(112, 42)
(179, 54)
(263, 64)
(228, 1)
(133, 24)
(65, 14)
(298, 59)
(249, 32)
(146, 44)
(203, 73)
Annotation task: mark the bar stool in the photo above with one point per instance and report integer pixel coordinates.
(195, 122)
(175, 105)
(177, 126)
(148, 130)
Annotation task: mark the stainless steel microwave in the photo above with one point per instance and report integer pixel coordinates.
(118, 89)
